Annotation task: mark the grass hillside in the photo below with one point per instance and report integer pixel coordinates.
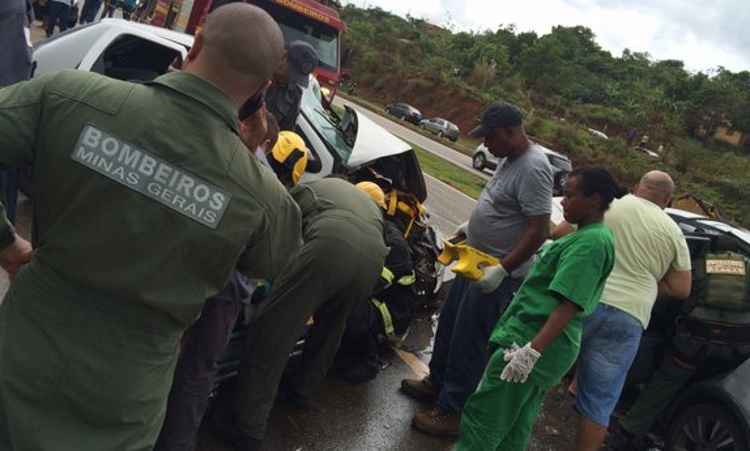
(565, 83)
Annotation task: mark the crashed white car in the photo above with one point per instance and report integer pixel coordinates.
(352, 145)
(137, 52)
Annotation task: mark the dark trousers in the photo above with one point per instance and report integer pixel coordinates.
(90, 10)
(202, 346)
(325, 280)
(461, 352)
(57, 14)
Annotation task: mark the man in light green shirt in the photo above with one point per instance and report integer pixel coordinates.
(652, 259)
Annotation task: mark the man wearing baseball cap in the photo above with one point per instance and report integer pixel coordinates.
(284, 96)
(509, 222)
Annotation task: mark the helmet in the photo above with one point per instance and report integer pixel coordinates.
(288, 157)
(374, 191)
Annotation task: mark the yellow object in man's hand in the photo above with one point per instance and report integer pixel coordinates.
(470, 260)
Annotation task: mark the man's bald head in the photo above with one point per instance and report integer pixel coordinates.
(238, 49)
(656, 186)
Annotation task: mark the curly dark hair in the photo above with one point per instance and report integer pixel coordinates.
(597, 180)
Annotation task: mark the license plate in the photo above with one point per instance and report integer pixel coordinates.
(732, 267)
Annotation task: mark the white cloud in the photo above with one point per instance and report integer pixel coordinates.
(702, 33)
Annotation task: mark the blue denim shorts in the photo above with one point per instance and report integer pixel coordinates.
(611, 338)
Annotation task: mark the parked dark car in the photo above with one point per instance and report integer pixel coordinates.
(561, 165)
(404, 111)
(712, 411)
(441, 127)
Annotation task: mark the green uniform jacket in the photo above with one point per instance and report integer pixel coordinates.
(144, 200)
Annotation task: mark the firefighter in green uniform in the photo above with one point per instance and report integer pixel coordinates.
(336, 268)
(145, 201)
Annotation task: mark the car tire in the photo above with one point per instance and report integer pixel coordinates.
(706, 426)
(479, 162)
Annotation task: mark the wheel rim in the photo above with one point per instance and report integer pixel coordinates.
(703, 433)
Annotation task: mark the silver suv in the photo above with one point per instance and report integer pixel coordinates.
(561, 165)
(441, 127)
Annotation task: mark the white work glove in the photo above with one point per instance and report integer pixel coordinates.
(520, 363)
(492, 278)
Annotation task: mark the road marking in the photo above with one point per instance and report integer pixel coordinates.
(418, 367)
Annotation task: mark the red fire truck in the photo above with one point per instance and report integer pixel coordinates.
(315, 22)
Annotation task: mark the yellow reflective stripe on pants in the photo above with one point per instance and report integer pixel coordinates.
(387, 319)
(407, 280)
(387, 275)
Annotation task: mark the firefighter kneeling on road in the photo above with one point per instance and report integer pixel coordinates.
(205, 341)
(337, 268)
(390, 310)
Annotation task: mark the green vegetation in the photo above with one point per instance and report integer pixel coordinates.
(565, 82)
(455, 176)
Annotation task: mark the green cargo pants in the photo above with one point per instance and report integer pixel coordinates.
(661, 390)
(500, 415)
(327, 278)
(80, 373)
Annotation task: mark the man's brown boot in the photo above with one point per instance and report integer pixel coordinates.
(420, 389)
(436, 421)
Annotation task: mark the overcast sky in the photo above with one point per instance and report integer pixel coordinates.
(702, 33)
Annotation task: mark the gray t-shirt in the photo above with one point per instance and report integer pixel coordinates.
(518, 189)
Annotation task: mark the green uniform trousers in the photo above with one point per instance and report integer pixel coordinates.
(661, 390)
(80, 374)
(327, 278)
(500, 415)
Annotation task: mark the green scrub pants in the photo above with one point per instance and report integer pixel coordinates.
(500, 415)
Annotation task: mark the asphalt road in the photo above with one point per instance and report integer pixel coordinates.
(405, 133)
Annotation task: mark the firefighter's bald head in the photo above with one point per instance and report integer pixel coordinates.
(238, 49)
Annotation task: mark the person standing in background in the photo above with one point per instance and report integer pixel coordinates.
(16, 17)
(58, 13)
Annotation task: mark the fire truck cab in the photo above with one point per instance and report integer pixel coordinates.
(307, 20)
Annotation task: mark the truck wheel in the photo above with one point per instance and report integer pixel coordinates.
(479, 162)
(706, 427)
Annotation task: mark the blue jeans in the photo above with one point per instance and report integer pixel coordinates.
(461, 342)
(611, 338)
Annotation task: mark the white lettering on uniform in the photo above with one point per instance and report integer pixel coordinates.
(201, 193)
(91, 137)
(154, 188)
(185, 185)
(147, 166)
(128, 157)
(83, 155)
(148, 174)
(120, 172)
(167, 195)
(162, 173)
(179, 200)
(110, 146)
(217, 201)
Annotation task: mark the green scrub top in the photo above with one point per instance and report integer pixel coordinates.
(574, 268)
